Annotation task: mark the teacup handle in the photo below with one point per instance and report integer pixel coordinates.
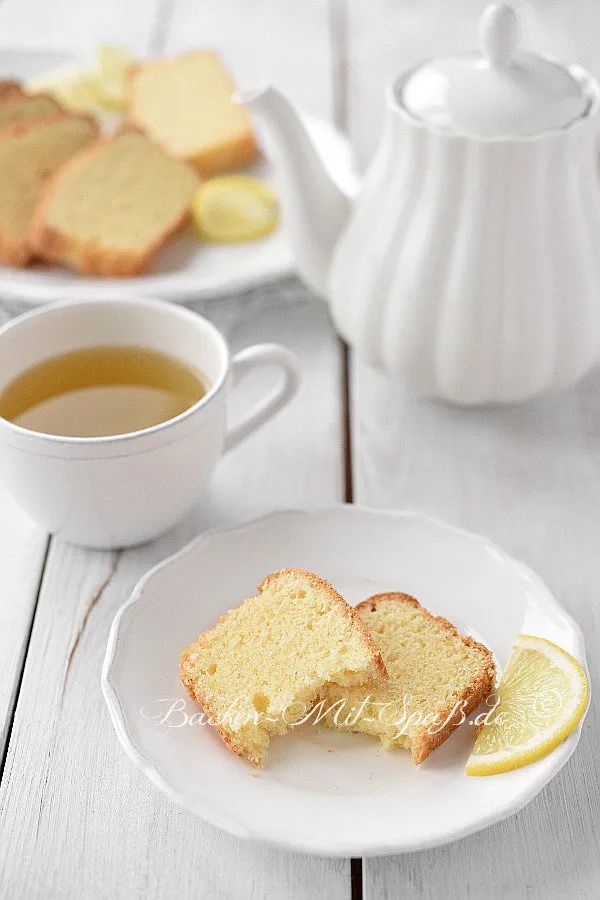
(251, 358)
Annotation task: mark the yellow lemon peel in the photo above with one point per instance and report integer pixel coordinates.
(543, 694)
(233, 208)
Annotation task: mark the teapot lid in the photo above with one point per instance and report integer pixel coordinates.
(500, 91)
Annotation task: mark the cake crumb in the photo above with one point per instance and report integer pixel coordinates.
(330, 749)
(254, 774)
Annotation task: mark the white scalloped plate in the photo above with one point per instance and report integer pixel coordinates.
(186, 269)
(358, 800)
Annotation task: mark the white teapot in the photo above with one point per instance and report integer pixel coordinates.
(469, 263)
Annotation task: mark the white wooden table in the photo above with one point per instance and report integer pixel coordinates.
(76, 819)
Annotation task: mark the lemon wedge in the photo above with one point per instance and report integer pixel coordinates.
(234, 208)
(113, 65)
(74, 88)
(543, 694)
(91, 90)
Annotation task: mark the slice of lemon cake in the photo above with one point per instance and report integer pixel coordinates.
(436, 676)
(263, 664)
(185, 105)
(113, 206)
(29, 153)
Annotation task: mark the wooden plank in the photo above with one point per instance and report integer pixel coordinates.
(70, 26)
(22, 552)
(77, 818)
(527, 478)
(75, 28)
(22, 555)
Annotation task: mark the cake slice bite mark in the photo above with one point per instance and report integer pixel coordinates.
(259, 670)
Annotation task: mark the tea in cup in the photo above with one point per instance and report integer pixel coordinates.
(113, 414)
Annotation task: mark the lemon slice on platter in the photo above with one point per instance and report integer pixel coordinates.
(543, 694)
(233, 208)
(74, 87)
(93, 90)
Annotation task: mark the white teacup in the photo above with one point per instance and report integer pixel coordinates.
(117, 491)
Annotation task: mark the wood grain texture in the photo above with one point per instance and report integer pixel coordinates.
(527, 478)
(78, 27)
(22, 553)
(76, 818)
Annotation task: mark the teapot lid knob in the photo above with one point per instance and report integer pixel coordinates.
(502, 91)
(499, 33)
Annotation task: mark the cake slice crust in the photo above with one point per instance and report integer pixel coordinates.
(436, 676)
(266, 661)
(111, 208)
(185, 105)
(29, 153)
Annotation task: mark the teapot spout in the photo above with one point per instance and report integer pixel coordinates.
(315, 208)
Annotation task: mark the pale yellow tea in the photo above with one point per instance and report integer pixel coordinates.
(101, 391)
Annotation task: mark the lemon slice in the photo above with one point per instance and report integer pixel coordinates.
(73, 87)
(234, 208)
(543, 694)
(94, 90)
(112, 69)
